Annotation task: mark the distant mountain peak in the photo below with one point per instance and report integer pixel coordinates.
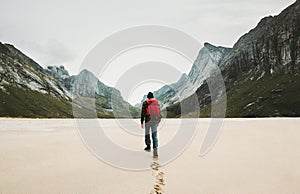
(87, 73)
(209, 45)
(59, 73)
(212, 48)
(28, 90)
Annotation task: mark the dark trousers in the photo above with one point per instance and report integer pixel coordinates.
(153, 126)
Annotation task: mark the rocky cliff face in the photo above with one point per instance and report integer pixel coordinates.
(59, 73)
(17, 70)
(28, 90)
(261, 71)
(207, 59)
(108, 100)
(87, 84)
(271, 48)
(261, 74)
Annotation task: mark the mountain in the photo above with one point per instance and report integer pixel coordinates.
(261, 71)
(28, 90)
(208, 57)
(86, 87)
(165, 94)
(59, 73)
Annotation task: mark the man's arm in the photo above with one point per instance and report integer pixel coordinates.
(143, 114)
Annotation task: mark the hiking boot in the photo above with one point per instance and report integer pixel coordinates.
(147, 149)
(155, 154)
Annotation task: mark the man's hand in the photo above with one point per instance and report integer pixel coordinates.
(142, 125)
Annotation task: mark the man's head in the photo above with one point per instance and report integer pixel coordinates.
(150, 95)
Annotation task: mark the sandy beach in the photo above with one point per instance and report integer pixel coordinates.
(250, 156)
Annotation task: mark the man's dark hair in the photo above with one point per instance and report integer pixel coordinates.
(150, 95)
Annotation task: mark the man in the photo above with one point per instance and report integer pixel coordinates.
(151, 115)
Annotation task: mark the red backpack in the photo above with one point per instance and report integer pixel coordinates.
(153, 109)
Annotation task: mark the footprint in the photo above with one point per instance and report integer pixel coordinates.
(155, 166)
(160, 181)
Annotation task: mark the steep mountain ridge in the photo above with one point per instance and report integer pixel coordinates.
(271, 47)
(261, 74)
(261, 71)
(205, 63)
(267, 59)
(28, 90)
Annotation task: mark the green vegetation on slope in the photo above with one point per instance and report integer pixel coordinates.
(32, 104)
(266, 97)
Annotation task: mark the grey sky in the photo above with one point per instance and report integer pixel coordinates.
(63, 32)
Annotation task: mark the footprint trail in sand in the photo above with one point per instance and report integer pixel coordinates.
(160, 181)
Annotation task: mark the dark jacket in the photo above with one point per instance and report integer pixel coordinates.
(146, 117)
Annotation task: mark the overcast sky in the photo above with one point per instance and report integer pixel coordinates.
(56, 32)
